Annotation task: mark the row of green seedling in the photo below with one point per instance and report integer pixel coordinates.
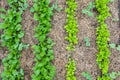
(103, 36)
(102, 40)
(70, 68)
(11, 39)
(71, 29)
(71, 24)
(43, 52)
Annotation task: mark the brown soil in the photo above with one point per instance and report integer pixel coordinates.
(85, 57)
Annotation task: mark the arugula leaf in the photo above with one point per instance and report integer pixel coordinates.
(43, 69)
(21, 34)
(11, 38)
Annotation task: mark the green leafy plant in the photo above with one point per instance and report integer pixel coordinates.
(87, 75)
(11, 38)
(102, 39)
(71, 25)
(87, 41)
(70, 67)
(43, 68)
(88, 11)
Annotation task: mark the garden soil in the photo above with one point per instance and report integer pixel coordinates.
(85, 57)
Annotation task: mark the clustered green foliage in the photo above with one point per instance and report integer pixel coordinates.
(88, 9)
(103, 35)
(43, 68)
(11, 38)
(71, 24)
(70, 67)
(87, 75)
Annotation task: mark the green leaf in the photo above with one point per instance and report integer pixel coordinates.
(113, 75)
(87, 75)
(36, 48)
(26, 45)
(31, 9)
(111, 0)
(2, 10)
(87, 41)
(37, 72)
(18, 27)
(2, 16)
(10, 56)
(36, 8)
(42, 38)
(115, 19)
(36, 16)
(21, 34)
(21, 72)
(112, 45)
(84, 11)
(35, 0)
(20, 46)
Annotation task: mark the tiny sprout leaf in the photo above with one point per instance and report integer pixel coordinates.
(112, 45)
(87, 41)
